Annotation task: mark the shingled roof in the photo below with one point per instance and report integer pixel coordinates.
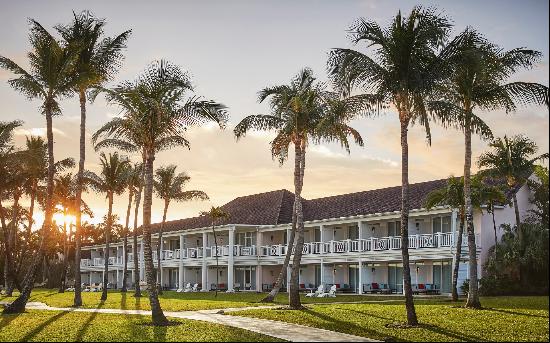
(275, 207)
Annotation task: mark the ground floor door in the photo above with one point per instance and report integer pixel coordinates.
(353, 276)
(395, 278)
(246, 277)
(442, 275)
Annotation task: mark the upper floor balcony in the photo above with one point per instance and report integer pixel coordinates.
(439, 240)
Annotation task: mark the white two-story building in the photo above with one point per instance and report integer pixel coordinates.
(351, 240)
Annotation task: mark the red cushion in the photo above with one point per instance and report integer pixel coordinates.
(222, 285)
(374, 285)
(421, 286)
(337, 285)
(302, 285)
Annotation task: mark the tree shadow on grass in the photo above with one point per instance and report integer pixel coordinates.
(42, 326)
(6, 319)
(82, 330)
(348, 327)
(514, 312)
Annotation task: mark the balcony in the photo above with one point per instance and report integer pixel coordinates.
(424, 241)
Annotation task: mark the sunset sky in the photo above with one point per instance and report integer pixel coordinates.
(233, 49)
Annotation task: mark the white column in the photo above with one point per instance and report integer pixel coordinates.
(90, 278)
(230, 261)
(322, 268)
(161, 243)
(259, 243)
(180, 271)
(288, 272)
(117, 277)
(204, 268)
(360, 281)
(322, 234)
(259, 278)
(142, 262)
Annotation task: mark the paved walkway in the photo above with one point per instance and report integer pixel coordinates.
(286, 331)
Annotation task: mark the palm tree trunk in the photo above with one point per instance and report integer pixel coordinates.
(8, 261)
(30, 221)
(290, 244)
(159, 244)
(473, 294)
(409, 304)
(217, 259)
(125, 240)
(18, 306)
(492, 205)
(78, 201)
(294, 287)
(156, 311)
(137, 289)
(458, 254)
(65, 255)
(107, 243)
(13, 226)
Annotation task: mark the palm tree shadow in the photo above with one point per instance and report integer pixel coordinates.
(6, 319)
(514, 313)
(349, 327)
(42, 326)
(82, 330)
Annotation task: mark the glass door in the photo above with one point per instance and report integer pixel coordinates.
(395, 278)
(353, 277)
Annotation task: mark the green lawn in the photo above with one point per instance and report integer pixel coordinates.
(503, 319)
(173, 301)
(54, 326)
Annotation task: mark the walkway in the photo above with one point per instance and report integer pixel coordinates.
(287, 331)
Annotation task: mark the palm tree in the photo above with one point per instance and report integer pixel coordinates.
(156, 114)
(7, 157)
(50, 79)
(98, 60)
(169, 187)
(114, 171)
(133, 184)
(479, 81)
(216, 214)
(302, 111)
(63, 189)
(452, 195)
(407, 64)
(512, 160)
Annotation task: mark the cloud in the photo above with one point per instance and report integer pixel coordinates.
(37, 131)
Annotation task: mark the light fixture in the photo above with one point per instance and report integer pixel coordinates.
(417, 225)
(372, 229)
(373, 269)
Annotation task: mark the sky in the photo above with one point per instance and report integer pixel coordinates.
(233, 49)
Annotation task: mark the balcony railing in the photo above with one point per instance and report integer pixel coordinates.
(419, 241)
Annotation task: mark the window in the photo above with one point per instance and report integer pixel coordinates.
(394, 228)
(441, 224)
(317, 235)
(245, 239)
(317, 276)
(442, 275)
(353, 232)
(395, 277)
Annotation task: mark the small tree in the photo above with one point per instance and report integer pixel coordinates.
(217, 215)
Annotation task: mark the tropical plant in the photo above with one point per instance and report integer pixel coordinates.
(98, 60)
(111, 181)
(540, 198)
(50, 78)
(302, 111)
(217, 215)
(133, 184)
(513, 161)
(479, 81)
(408, 63)
(7, 157)
(156, 114)
(452, 195)
(168, 186)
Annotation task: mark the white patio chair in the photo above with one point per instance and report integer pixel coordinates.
(187, 288)
(195, 288)
(320, 290)
(332, 292)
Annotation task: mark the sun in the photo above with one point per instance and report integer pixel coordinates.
(61, 219)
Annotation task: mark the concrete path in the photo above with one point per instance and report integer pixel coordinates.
(277, 329)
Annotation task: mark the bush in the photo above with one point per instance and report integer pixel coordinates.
(465, 287)
(499, 285)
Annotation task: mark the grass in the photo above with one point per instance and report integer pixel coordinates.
(173, 301)
(55, 326)
(502, 319)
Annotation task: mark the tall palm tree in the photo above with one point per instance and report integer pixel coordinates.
(50, 78)
(112, 181)
(35, 166)
(302, 111)
(168, 186)
(480, 81)
(133, 184)
(63, 189)
(7, 157)
(156, 114)
(98, 60)
(513, 161)
(406, 64)
(452, 195)
(216, 214)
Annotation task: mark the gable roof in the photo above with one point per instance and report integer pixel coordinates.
(275, 207)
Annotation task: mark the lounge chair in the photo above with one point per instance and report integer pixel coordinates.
(247, 286)
(195, 288)
(385, 289)
(432, 289)
(187, 288)
(331, 293)
(374, 287)
(320, 290)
